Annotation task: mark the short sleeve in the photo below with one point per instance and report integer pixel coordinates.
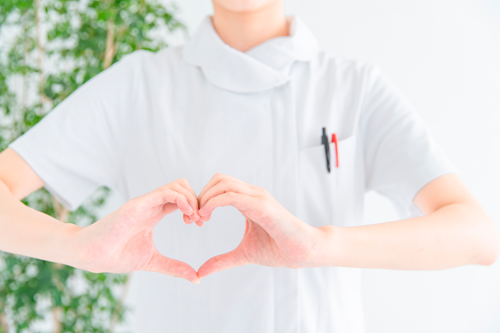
(76, 148)
(400, 154)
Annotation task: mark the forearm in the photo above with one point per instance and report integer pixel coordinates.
(452, 236)
(28, 232)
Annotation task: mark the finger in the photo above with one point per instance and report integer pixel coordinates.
(216, 179)
(161, 197)
(221, 262)
(199, 223)
(239, 201)
(186, 219)
(167, 195)
(176, 268)
(169, 208)
(204, 219)
(185, 184)
(191, 199)
(224, 186)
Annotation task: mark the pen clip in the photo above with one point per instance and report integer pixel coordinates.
(334, 140)
(324, 141)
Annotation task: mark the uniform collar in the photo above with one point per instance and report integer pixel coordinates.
(263, 67)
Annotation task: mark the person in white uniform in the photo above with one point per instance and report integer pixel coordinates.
(229, 129)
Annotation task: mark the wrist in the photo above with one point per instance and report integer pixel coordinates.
(331, 246)
(64, 245)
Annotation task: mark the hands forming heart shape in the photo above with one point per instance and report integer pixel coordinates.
(122, 242)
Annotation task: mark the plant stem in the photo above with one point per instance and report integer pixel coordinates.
(24, 84)
(62, 213)
(40, 54)
(109, 54)
(3, 323)
(56, 312)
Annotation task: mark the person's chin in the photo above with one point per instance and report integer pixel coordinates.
(243, 5)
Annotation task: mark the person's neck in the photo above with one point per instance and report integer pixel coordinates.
(244, 30)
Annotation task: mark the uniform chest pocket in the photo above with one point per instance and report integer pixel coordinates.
(326, 197)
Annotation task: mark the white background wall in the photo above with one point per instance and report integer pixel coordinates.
(445, 57)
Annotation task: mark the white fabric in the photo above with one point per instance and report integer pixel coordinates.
(204, 108)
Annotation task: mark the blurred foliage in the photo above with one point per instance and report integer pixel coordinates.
(48, 49)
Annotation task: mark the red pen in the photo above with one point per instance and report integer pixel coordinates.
(334, 140)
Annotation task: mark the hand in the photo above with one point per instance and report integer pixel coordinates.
(122, 242)
(273, 236)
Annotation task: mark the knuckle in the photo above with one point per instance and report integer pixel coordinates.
(169, 186)
(219, 175)
(163, 193)
(168, 189)
(262, 191)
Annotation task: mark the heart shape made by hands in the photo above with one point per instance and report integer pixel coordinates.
(195, 245)
(123, 241)
(273, 236)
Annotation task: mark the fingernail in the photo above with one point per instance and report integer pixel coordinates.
(190, 210)
(202, 209)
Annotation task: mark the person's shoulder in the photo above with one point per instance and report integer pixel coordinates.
(145, 59)
(350, 74)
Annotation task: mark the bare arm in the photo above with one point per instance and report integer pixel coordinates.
(24, 230)
(454, 231)
(121, 242)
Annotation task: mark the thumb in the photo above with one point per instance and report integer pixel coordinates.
(176, 268)
(224, 261)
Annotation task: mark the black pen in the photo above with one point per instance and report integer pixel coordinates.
(324, 141)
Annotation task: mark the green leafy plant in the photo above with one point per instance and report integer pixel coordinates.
(48, 48)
